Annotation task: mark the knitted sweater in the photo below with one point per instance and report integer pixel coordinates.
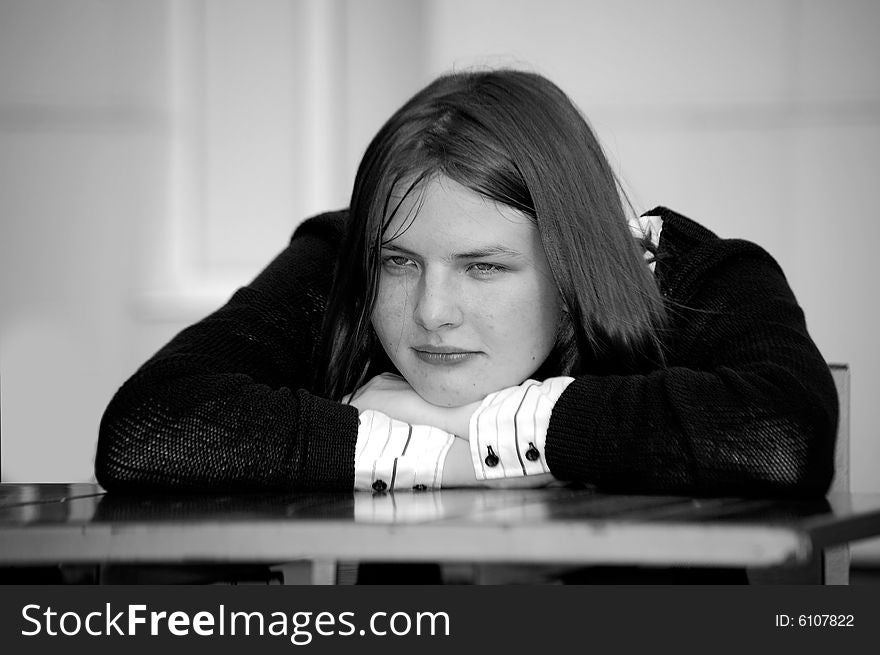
(744, 406)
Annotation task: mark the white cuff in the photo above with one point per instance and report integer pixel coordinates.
(391, 454)
(508, 431)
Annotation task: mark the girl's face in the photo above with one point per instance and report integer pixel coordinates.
(466, 302)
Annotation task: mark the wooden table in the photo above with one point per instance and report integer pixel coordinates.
(80, 523)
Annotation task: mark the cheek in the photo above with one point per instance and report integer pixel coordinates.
(526, 318)
(528, 337)
(389, 313)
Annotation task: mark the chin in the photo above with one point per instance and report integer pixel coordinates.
(443, 398)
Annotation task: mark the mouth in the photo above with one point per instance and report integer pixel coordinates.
(443, 355)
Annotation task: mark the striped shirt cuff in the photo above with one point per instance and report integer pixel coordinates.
(392, 455)
(508, 431)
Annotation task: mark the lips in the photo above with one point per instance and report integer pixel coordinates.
(443, 355)
(427, 348)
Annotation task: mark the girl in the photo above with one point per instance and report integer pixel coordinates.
(484, 313)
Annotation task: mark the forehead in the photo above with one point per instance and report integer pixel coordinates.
(445, 214)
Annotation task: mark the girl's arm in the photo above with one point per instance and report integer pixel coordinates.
(225, 404)
(745, 406)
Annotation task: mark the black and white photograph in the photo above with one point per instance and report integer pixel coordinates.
(541, 295)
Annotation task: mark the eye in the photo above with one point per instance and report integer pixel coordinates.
(485, 269)
(397, 262)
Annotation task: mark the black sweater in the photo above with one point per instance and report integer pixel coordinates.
(744, 406)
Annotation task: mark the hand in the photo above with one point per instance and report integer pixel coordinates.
(393, 396)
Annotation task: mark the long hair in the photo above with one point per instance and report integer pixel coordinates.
(515, 138)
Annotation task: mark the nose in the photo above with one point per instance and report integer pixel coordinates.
(438, 303)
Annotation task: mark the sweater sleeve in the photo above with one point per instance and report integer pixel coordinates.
(745, 406)
(225, 405)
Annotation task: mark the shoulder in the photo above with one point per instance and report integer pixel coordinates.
(690, 253)
(328, 226)
(306, 262)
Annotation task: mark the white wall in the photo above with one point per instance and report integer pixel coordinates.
(154, 155)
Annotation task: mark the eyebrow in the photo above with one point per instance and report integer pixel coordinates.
(486, 251)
